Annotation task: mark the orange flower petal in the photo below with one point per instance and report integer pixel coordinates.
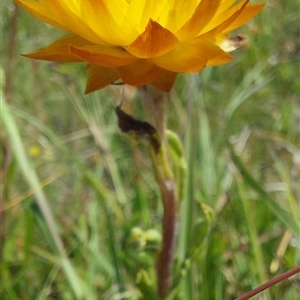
(204, 12)
(248, 13)
(108, 19)
(141, 11)
(61, 14)
(110, 57)
(139, 73)
(223, 26)
(59, 50)
(165, 82)
(100, 77)
(41, 11)
(218, 57)
(222, 15)
(154, 41)
(191, 57)
(224, 6)
(176, 13)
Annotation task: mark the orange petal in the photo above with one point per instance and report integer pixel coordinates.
(247, 14)
(186, 58)
(41, 11)
(176, 13)
(223, 15)
(139, 73)
(108, 19)
(104, 56)
(100, 77)
(154, 41)
(165, 82)
(59, 50)
(204, 12)
(223, 26)
(218, 57)
(141, 11)
(61, 14)
(224, 6)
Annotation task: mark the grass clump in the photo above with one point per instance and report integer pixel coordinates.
(79, 197)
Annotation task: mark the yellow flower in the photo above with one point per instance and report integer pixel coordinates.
(140, 41)
(34, 150)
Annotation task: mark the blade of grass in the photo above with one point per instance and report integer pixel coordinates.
(86, 113)
(283, 174)
(282, 215)
(92, 180)
(252, 82)
(186, 217)
(101, 191)
(31, 177)
(259, 271)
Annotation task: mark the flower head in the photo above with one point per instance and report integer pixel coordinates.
(140, 41)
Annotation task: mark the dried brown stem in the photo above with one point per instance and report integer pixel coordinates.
(270, 283)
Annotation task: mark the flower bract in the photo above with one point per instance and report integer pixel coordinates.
(140, 41)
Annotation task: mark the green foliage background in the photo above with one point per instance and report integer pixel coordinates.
(240, 211)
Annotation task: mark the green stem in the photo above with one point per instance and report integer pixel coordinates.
(166, 184)
(154, 107)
